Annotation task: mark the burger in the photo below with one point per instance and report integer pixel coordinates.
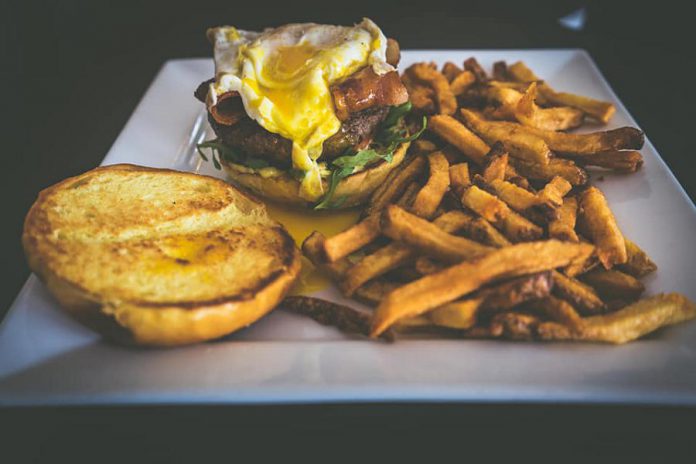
(307, 114)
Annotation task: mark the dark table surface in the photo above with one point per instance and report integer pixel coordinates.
(74, 71)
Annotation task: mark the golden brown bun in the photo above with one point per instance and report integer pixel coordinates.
(284, 188)
(158, 257)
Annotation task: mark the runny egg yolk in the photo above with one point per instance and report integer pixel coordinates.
(300, 224)
(284, 77)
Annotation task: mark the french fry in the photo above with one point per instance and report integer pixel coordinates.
(617, 160)
(564, 168)
(507, 295)
(313, 249)
(517, 180)
(517, 142)
(500, 102)
(479, 230)
(515, 326)
(394, 184)
(519, 72)
(495, 167)
(418, 324)
(460, 84)
(602, 226)
(406, 199)
(451, 71)
(476, 333)
(457, 134)
(454, 282)
(552, 119)
(563, 227)
(623, 138)
(613, 284)
(632, 322)
(511, 175)
(428, 238)
(446, 101)
(422, 98)
(600, 110)
(402, 274)
(639, 263)
(558, 310)
(484, 204)
(519, 199)
(519, 105)
(425, 265)
(553, 192)
(391, 256)
(462, 314)
(581, 268)
(428, 199)
(516, 197)
(519, 86)
(352, 239)
(515, 227)
(423, 147)
(344, 318)
(456, 315)
(459, 177)
(500, 71)
(483, 231)
(580, 295)
(380, 262)
(373, 292)
(474, 67)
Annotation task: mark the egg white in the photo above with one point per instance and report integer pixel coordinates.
(284, 75)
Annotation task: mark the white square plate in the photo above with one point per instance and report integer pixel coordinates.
(46, 358)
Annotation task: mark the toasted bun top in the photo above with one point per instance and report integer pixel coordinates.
(141, 243)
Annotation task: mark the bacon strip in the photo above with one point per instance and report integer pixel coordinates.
(365, 89)
(229, 109)
(361, 91)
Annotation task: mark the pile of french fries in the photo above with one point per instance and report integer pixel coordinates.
(490, 229)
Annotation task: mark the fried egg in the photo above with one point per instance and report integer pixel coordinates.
(284, 75)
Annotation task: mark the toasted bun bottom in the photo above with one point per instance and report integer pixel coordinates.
(283, 188)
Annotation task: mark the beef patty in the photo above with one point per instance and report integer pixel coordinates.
(249, 137)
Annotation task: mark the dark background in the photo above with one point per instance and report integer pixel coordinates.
(73, 71)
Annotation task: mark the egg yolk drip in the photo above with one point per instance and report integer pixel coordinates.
(300, 223)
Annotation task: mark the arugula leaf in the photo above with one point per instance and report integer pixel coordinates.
(333, 182)
(359, 159)
(391, 133)
(397, 113)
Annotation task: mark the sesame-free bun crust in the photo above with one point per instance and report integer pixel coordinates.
(283, 188)
(158, 257)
